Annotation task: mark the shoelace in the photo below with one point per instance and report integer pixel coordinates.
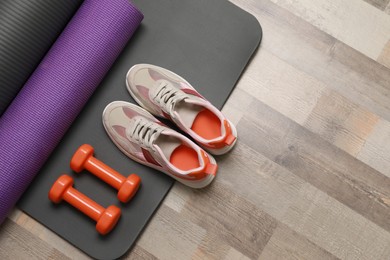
(167, 96)
(144, 132)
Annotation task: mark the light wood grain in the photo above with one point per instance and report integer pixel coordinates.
(169, 236)
(316, 161)
(229, 219)
(288, 244)
(139, 253)
(350, 21)
(309, 177)
(342, 123)
(310, 103)
(18, 243)
(311, 51)
(387, 9)
(376, 149)
(384, 57)
(46, 235)
(258, 180)
(336, 228)
(380, 4)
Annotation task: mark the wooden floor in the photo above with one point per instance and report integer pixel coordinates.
(310, 175)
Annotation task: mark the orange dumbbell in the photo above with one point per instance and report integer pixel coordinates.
(106, 218)
(83, 159)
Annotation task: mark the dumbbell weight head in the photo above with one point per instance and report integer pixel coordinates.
(129, 188)
(59, 188)
(106, 218)
(80, 157)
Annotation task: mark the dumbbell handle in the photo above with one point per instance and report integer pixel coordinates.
(104, 172)
(83, 203)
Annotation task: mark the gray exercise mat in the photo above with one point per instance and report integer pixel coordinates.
(208, 42)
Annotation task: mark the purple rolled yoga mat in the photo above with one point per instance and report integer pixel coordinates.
(45, 108)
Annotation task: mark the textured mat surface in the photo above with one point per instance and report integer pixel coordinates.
(27, 31)
(209, 42)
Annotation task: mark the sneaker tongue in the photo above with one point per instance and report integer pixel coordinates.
(186, 111)
(131, 126)
(156, 88)
(166, 143)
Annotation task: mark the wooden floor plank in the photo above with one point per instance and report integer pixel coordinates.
(213, 247)
(387, 10)
(138, 252)
(277, 192)
(46, 235)
(281, 86)
(376, 149)
(21, 244)
(336, 228)
(380, 4)
(229, 220)
(384, 57)
(259, 180)
(350, 21)
(237, 105)
(288, 244)
(322, 57)
(318, 108)
(342, 123)
(234, 254)
(170, 236)
(326, 167)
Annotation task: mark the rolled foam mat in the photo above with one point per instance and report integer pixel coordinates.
(51, 99)
(208, 42)
(27, 31)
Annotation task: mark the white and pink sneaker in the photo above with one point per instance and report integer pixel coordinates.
(146, 140)
(166, 94)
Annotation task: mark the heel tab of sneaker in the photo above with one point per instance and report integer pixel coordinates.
(229, 136)
(229, 140)
(209, 168)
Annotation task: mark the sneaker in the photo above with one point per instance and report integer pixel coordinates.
(166, 94)
(143, 138)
